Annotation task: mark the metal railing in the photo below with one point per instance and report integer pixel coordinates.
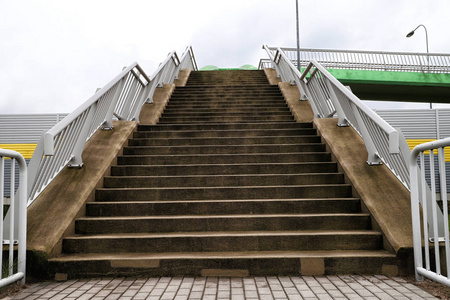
(371, 60)
(13, 228)
(187, 60)
(122, 98)
(329, 97)
(384, 143)
(430, 213)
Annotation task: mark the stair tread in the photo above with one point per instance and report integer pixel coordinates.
(226, 187)
(231, 216)
(223, 255)
(226, 154)
(214, 234)
(225, 175)
(225, 201)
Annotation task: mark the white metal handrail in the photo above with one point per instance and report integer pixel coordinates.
(187, 60)
(430, 212)
(13, 228)
(371, 60)
(122, 97)
(383, 143)
(286, 69)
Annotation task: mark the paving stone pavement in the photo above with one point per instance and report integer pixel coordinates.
(281, 287)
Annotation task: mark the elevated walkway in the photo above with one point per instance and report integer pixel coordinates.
(233, 179)
(380, 75)
(396, 86)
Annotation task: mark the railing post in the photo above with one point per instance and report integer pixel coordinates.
(372, 158)
(77, 161)
(108, 120)
(342, 122)
(415, 212)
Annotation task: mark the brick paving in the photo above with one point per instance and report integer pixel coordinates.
(282, 287)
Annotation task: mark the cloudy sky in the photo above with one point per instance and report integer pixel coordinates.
(55, 53)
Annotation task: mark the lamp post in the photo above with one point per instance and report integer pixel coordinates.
(428, 52)
(298, 38)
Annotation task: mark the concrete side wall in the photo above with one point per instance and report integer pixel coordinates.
(52, 215)
(383, 195)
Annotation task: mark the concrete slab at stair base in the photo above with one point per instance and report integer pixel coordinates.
(382, 194)
(242, 264)
(51, 216)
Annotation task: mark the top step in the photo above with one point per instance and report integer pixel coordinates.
(227, 77)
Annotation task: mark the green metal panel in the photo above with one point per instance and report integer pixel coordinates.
(391, 78)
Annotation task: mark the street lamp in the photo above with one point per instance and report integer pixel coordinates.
(298, 38)
(428, 52)
(426, 34)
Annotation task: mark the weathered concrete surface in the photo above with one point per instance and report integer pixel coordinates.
(183, 76)
(301, 110)
(272, 76)
(383, 195)
(150, 113)
(52, 214)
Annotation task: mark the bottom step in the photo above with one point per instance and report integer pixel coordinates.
(233, 264)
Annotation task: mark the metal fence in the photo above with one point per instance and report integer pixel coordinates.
(436, 229)
(371, 60)
(122, 97)
(13, 229)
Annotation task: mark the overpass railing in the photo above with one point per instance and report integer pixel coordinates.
(13, 230)
(371, 60)
(122, 98)
(430, 238)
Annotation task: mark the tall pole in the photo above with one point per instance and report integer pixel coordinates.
(428, 52)
(298, 37)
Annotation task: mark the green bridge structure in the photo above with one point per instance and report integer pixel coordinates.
(390, 76)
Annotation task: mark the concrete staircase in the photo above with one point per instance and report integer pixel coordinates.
(227, 183)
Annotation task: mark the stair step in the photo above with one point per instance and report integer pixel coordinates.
(223, 106)
(224, 140)
(223, 158)
(226, 109)
(234, 126)
(224, 149)
(256, 263)
(226, 133)
(225, 169)
(222, 180)
(225, 241)
(239, 119)
(225, 193)
(249, 113)
(204, 223)
(257, 206)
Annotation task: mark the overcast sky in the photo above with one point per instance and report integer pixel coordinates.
(54, 54)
